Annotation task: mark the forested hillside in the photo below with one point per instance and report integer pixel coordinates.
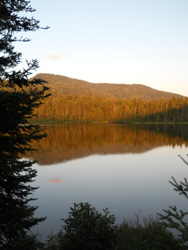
(77, 101)
(65, 85)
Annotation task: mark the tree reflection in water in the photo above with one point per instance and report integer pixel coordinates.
(72, 141)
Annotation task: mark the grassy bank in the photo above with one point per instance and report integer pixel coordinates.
(105, 122)
(81, 231)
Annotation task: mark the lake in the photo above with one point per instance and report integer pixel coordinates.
(126, 168)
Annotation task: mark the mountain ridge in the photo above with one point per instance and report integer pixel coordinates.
(65, 85)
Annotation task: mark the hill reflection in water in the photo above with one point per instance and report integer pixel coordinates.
(72, 141)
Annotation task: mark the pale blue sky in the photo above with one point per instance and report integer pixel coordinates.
(115, 41)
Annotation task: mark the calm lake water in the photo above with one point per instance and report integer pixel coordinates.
(126, 168)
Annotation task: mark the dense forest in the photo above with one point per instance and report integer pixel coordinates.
(75, 100)
(70, 108)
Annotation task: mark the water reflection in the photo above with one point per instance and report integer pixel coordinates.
(121, 171)
(72, 141)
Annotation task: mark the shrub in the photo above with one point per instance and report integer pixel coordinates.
(147, 234)
(85, 228)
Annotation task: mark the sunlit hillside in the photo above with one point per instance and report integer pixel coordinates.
(65, 85)
(79, 101)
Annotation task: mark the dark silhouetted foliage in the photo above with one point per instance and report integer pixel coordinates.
(177, 219)
(146, 233)
(85, 228)
(19, 96)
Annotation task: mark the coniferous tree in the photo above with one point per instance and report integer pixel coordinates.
(19, 96)
(177, 219)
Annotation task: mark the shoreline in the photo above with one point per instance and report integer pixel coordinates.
(106, 122)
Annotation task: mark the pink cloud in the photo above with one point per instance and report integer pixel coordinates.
(56, 180)
(54, 56)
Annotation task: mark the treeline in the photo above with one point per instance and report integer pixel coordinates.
(70, 108)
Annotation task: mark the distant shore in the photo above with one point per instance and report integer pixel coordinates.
(106, 122)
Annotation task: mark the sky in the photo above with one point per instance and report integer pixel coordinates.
(113, 41)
